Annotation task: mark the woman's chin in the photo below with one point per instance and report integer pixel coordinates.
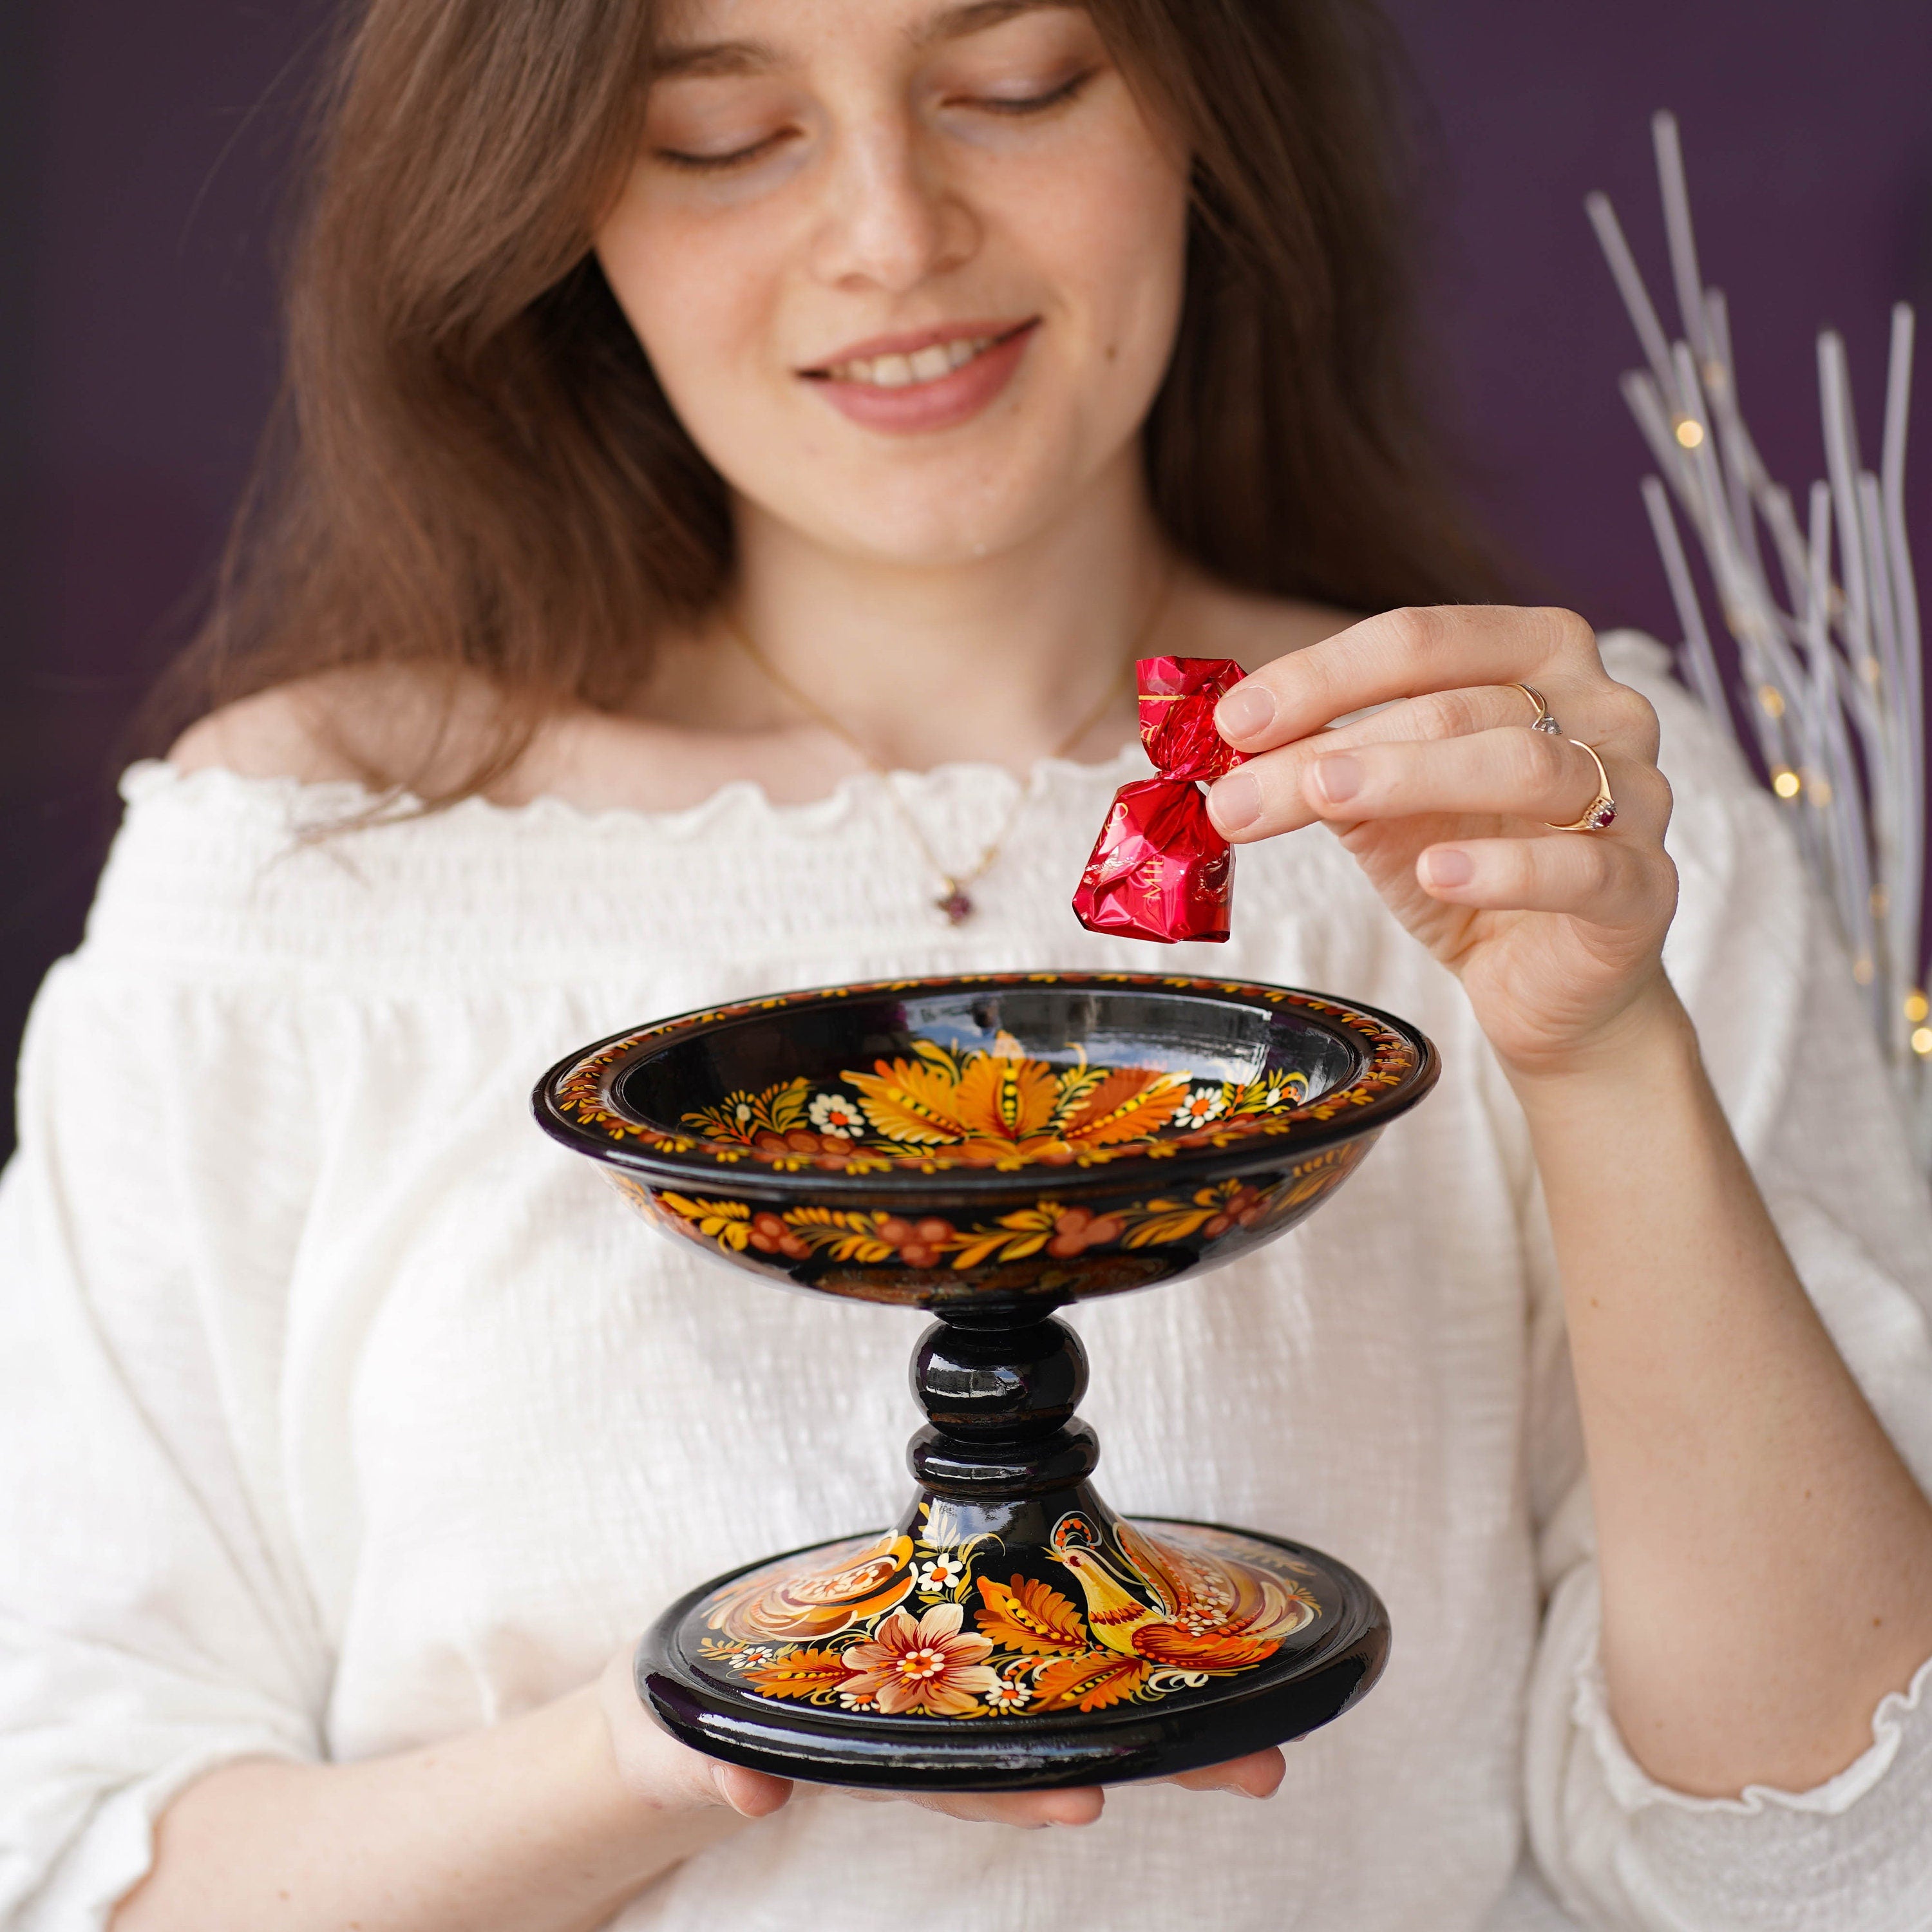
(936, 516)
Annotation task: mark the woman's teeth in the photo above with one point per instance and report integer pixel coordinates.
(923, 365)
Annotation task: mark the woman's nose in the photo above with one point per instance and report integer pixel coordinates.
(890, 218)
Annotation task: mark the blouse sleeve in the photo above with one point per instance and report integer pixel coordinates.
(1791, 1052)
(153, 1621)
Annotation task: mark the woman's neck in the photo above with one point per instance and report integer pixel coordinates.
(997, 658)
(993, 659)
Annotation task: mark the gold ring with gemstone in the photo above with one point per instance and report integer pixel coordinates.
(1602, 809)
(1543, 720)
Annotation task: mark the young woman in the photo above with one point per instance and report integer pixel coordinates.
(734, 453)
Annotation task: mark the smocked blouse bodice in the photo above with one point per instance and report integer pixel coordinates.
(341, 1411)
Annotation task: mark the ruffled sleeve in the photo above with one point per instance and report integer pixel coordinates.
(154, 1623)
(1791, 1052)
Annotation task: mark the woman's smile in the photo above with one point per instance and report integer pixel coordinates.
(930, 379)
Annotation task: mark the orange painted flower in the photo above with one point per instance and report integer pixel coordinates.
(1002, 1109)
(930, 1665)
(855, 1580)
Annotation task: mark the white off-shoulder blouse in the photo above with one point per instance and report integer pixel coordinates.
(340, 1411)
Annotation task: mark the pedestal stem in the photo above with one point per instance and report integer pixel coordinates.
(1000, 1397)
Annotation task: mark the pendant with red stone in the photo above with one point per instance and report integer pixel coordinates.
(956, 906)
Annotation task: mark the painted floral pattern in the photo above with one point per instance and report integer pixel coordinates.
(927, 1628)
(868, 1237)
(990, 1107)
(940, 1107)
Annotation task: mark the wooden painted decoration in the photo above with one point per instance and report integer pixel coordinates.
(989, 1148)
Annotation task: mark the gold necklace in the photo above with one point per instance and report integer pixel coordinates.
(955, 901)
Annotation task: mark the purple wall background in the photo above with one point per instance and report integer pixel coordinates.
(142, 148)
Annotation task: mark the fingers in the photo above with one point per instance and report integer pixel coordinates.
(1081, 1805)
(1399, 653)
(1030, 1811)
(1258, 1775)
(1285, 789)
(1516, 774)
(1592, 876)
(1511, 772)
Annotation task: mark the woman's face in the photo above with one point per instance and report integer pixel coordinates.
(909, 271)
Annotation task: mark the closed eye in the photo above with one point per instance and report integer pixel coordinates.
(737, 157)
(1034, 103)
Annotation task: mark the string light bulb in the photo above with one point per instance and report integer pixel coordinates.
(1917, 1008)
(1690, 432)
(1786, 782)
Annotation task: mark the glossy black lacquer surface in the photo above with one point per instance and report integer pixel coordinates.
(715, 1125)
(1003, 1470)
(1308, 1688)
(990, 1148)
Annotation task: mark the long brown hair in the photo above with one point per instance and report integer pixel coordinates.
(472, 468)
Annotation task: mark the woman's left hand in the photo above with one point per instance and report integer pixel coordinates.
(1447, 800)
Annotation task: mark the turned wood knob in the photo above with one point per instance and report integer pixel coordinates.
(986, 1384)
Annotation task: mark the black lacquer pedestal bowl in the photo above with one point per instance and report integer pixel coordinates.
(989, 1148)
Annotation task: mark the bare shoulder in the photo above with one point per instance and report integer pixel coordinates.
(376, 726)
(1255, 630)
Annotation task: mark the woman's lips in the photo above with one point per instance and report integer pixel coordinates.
(905, 402)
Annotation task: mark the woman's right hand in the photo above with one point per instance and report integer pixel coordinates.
(666, 1774)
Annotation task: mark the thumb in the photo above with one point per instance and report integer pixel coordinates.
(751, 1794)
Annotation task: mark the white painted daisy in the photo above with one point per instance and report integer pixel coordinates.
(944, 1573)
(833, 1114)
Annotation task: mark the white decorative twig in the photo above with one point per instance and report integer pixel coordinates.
(1831, 664)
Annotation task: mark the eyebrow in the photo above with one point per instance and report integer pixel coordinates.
(736, 57)
(953, 23)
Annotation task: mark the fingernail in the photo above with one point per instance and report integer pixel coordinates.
(1247, 709)
(1235, 801)
(1445, 865)
(1340, 777)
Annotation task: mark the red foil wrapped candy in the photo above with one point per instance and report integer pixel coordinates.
(1160, 869)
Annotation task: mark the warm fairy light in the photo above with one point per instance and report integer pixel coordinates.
(1852, 733)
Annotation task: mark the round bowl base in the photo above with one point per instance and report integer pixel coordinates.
(1166, 1689)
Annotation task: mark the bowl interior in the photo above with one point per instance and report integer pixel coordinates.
(812, 1050)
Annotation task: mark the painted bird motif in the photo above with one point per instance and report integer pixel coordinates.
(1210, 1613)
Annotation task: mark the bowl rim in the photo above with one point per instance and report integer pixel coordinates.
(574, 1104)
